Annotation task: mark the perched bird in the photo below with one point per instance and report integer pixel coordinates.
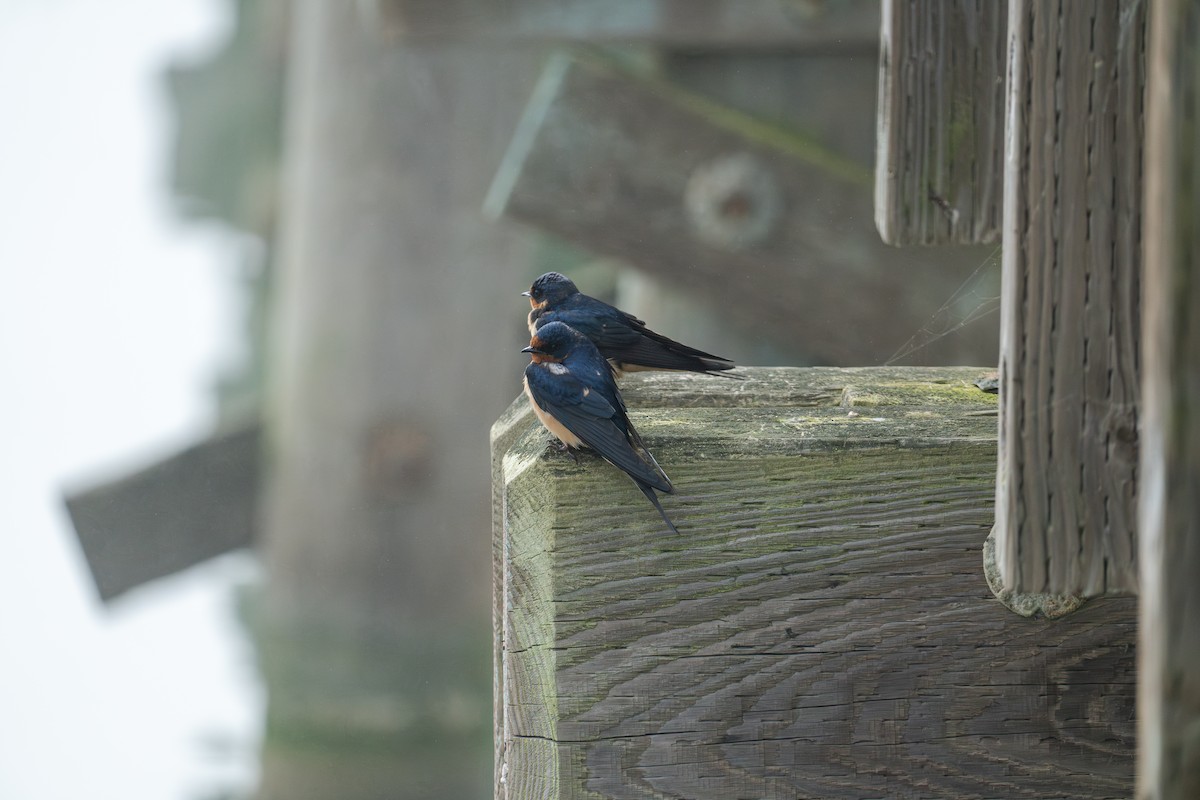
(622, 338)
(572, 391)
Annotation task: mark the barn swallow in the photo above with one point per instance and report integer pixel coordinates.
(623, 338)
(572, 391)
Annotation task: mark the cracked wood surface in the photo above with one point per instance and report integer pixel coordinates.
(820, 628)
(1071, 293)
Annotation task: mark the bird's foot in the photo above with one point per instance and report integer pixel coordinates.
(563, 447)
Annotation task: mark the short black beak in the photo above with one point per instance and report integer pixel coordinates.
(531, 349)
(526, 294)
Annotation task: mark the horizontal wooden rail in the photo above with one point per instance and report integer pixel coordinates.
(820, 628)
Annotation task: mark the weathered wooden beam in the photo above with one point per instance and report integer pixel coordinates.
(770, 226)
(820, 628)
(940, 125)
(185, 509)
(830, 96)
(744, 24)
(1169, 512)
(1066, 488)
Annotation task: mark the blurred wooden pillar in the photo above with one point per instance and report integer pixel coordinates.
(1169, 631)
(398, 325)
(1065, 495)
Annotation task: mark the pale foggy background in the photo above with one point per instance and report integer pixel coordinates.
(116, 318)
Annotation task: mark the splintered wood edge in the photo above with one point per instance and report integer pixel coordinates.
(1025, 604)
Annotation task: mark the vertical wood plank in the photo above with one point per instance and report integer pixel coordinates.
(1169, 648)
(941, 104)
(1069, 321)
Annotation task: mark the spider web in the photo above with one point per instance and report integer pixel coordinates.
(977, 297)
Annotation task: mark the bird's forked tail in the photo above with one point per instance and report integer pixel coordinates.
(653, 498)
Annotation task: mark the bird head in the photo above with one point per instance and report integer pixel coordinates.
(550, 288)
(554, 341)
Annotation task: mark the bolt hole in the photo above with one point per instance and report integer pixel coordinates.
(737, 206)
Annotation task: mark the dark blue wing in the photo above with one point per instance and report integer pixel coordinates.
(597, 420)
(625, 339)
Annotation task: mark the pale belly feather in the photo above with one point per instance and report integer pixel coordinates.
(552, 425)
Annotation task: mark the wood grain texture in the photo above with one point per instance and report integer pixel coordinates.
(821, 627)
(771, 226)
(1169, 514)
(940, 124)
(1070, 298)
(711, 24)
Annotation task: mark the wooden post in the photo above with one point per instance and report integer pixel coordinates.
(396, 346)
(1169, 633)
(940, 137)
(1071, 290)
(821, 626)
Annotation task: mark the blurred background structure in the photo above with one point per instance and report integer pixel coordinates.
(116, 317)
(704, 166)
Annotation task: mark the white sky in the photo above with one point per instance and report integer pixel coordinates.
(113, 321)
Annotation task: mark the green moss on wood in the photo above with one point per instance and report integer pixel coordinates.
(828, 563)
(760, 490)
(956, 391)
